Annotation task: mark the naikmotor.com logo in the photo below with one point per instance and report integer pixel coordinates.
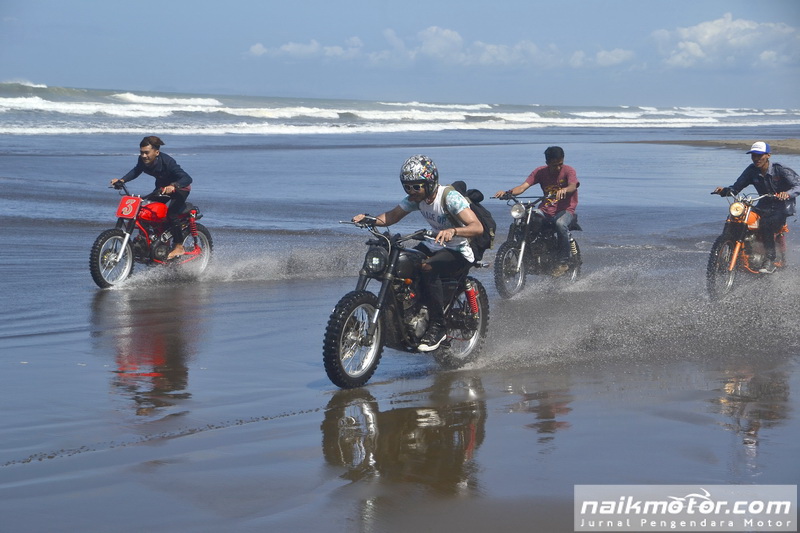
(686, 508)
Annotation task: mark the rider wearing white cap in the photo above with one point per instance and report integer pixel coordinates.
(768, 178)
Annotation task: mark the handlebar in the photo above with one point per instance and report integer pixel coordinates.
(418, 235)
(510, 198)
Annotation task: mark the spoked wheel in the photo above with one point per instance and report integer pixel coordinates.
(199, 263)
(575, 261)
(508, 279)
(349, 354)
(466, 332)
(109, 263)
(719, 278)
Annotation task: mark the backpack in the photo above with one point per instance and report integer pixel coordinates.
(484, 241)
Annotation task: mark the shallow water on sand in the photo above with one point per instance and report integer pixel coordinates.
(202, 405)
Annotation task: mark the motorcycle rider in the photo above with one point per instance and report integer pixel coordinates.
(172, 181)
(450, 253)
(768, 178)
(561, 182)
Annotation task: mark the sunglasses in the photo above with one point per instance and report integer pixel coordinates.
(413, 187)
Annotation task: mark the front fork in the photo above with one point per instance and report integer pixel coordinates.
(524, 240)
(127, 228)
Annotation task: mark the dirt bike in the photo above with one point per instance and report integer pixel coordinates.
(740, 247)
(532, 248)
(143, 235)
(362, 323)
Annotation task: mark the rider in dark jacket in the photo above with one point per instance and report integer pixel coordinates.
(171, 180)
(768, 178)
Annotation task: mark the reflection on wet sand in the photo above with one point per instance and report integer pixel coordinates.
(430, 441)
(549, 407)
(753, 400)
(152, 335)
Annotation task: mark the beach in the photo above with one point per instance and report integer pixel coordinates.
(174, 403)
(778, 146)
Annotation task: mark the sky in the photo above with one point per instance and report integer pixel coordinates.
(704, 53)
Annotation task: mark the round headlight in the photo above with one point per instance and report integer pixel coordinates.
(518, 211)
(375, 260)
(737, 209)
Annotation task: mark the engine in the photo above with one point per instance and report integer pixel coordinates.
(160, 251)
(415, 315)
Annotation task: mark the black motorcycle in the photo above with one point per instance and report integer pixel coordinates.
(362, 323)
(532, 248)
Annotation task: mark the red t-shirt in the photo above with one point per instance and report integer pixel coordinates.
(550, 185)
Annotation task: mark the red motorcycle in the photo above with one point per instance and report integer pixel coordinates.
(142, 235)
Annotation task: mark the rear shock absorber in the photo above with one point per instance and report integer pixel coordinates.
(472, 297)
(193, 223)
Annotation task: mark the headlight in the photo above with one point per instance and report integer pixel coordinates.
(518, 211)
(737, 209)
(375, 260)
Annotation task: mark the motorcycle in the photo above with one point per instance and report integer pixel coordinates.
(142, 235)
(362, 323)
(532, 248)
(740, 247)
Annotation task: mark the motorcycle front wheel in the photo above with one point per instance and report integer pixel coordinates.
(507, 278)
(575, 262)
(466, 332)
(349, 354)
(109, 263)
(719, 279)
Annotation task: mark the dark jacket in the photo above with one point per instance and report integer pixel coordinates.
(777, 179)
(165, 170)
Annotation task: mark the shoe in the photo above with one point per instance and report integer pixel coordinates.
(769, 268)
(560, 270)
(178, 251)
(432, 338)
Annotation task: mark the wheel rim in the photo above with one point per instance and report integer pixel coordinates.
(721, 277)
(356, 357)
(463, 339)
(511, 277)
(198, 265)
(114, 262)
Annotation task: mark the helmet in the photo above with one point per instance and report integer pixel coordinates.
(420, 169)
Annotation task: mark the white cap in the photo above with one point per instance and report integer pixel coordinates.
(759, 147)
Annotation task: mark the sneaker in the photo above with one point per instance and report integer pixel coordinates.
(432, 338)
(769, 268)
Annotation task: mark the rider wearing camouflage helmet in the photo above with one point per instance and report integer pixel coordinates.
(450, 251)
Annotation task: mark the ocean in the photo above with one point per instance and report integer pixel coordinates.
(202, 405)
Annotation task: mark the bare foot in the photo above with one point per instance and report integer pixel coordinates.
(176, 252)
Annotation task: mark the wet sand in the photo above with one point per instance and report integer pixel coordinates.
(779, 146)
(203, 406)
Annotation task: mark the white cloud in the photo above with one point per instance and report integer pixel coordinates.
(447, 46)
(729, 42)
(610, 58)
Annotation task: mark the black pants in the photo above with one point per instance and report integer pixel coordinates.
(177, 205)
(771, 222)
(444, 263)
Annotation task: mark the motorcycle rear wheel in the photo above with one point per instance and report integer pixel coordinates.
(508, 280)
(350, 357)
(109, 264)
(199, 264)
(466, 333)
(719, 280)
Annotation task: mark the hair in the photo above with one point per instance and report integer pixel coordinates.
(554, 153)
(153, 141)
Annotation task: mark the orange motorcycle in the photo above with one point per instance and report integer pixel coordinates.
(740, 247)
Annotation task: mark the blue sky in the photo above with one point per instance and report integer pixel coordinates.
(708, 53)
